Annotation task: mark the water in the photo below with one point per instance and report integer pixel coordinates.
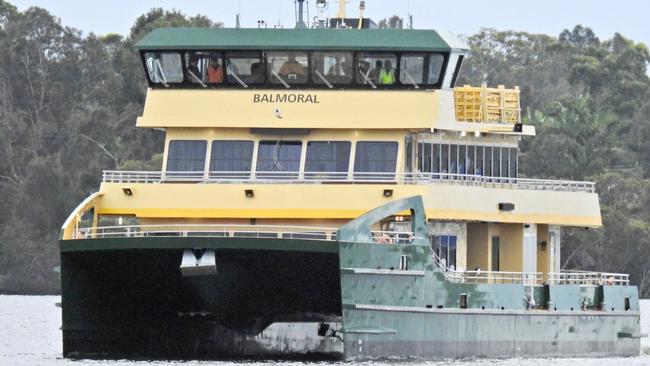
(30, 336)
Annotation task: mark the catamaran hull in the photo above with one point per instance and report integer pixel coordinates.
(269, 298)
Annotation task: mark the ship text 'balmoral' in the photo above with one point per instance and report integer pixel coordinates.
(285, 98)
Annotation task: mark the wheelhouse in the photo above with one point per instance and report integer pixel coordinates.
(300, 59)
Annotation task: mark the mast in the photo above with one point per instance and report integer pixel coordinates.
(300, 10)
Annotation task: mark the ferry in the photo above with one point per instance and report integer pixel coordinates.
(332, 193)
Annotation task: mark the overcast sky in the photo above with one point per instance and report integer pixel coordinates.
(629, 17)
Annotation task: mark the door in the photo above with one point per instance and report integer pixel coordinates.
(495, 253)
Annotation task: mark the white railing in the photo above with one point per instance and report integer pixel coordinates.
(113, 176)
(588, 278)
(489, 277)
(227, 230)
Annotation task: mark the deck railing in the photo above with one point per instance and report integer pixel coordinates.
(113, 176)
(588, 278)
(207, 230)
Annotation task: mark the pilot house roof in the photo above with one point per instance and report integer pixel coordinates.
(297, 39)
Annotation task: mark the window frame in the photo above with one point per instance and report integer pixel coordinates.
(199, 173)
(314, 174)
(382, 175)
(309, 84)
(239, 173)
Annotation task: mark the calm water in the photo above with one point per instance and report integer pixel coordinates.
(30, 336)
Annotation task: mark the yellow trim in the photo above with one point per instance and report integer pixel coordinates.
(432, 214)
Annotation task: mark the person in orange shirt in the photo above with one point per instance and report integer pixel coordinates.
(215, 72)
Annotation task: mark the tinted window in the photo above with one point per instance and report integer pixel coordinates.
(278, 156)
(204, 68)
(327, 156)
(435, 68)
(287, 67)
(244, 68)
(376, 68)
(164, 67)
(375, 157)
(186, 156)
(332, 67)
(412, 70)
(231, 156)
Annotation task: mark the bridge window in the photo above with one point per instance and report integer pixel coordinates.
(245, 68)
(375, 157)
(332, 68)
(288, 68)
(186, 156)
(416, 69)
(376, 68)
(231, 159)
(204, 68)
(330, 157)
(164, 67)
(278, 159)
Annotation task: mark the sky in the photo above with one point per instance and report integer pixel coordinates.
(606, 17)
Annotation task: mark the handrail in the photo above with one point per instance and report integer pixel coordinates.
(71, 224)
(588, 278)
(112, 176)
(209, 230)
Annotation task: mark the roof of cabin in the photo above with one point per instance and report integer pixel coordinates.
(296, 39)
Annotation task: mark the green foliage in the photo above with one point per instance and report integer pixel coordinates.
(68, 105)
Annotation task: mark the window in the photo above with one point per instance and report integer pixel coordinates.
(478, 168)
(278, 159)
(375, 157)
(411, 70)
(462, 159)
(513, 163)
(444, 163)
(445, 248)
(204, 68)
(435, 68)
(376, 68)
(487, 165)
(457, 70)
(287, 68)
(332, 68)
(186, 156)
(331, 157)
(471, 156)
(164, 67)
(229, 157)
(453, 159)
(244, 68)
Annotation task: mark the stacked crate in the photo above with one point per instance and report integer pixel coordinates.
(483, 104)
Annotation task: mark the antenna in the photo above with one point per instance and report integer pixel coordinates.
(362, 7)
(321, 20)
(238, 16)
(300, 13)
(341, 13)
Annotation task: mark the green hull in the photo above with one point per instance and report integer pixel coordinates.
(127, 298)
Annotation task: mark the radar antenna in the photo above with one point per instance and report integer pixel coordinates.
(302, 13)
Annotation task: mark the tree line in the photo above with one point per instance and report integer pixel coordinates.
(68, 104)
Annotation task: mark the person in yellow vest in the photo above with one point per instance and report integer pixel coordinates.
(387, 74)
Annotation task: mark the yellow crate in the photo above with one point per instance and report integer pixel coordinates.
(483, 104)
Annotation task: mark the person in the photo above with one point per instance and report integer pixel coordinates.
(215, 72)
(337, 69)
(291, 68)
(374, 73)
(193, 73)
(387, 74)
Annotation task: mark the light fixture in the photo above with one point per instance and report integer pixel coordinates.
(127, 191)
(249, 193)
(463, 133)
(477, 133)
(388, 193)
(506, 206)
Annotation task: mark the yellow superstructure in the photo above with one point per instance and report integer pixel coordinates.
(456, 147)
